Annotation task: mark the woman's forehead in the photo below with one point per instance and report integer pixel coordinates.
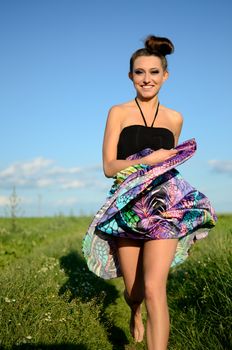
(147, 61)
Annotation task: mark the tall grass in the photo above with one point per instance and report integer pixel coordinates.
(200, 294)
(49, 300)
(40, 303)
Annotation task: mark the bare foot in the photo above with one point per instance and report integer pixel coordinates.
(136, 323)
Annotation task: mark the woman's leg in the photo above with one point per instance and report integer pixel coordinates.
(157, 258)
(131, 263)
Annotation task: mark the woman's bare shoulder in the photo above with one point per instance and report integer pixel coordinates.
(175, 116)
(122, 107)
(120, 110)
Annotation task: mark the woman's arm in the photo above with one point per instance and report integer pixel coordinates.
(177, 126)
(111, 165)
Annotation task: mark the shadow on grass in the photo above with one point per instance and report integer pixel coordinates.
(64, 346)
(86, 286)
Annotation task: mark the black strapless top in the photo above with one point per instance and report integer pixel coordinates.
(135, 138)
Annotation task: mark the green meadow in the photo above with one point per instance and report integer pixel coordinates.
(49, 299)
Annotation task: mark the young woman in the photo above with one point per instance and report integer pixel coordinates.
(152, 215)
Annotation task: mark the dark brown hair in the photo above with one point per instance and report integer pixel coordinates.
(154, 46)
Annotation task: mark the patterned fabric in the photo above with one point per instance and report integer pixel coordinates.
(147, 203)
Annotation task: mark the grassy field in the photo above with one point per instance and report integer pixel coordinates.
(49, 300)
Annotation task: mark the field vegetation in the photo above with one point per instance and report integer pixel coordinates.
(49, 299)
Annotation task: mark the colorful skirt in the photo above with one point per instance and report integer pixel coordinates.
(147, 203)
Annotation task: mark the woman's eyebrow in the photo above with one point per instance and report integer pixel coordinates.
(144, 68)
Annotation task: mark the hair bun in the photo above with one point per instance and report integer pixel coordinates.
(158, 44)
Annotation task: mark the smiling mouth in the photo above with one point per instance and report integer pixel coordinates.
(147, 87)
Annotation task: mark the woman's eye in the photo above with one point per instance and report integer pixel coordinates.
(155, 72)
(137, 71)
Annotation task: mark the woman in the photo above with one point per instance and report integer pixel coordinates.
(152, 215)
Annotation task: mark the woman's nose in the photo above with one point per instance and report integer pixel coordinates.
(146, 78)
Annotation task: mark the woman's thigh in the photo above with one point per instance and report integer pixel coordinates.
(130, 253)
(157, 259)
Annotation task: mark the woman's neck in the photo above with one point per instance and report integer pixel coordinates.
(149, 103)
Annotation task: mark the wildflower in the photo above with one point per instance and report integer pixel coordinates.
(7, 300)
(43, 269)
(48, 318)
(29, 337)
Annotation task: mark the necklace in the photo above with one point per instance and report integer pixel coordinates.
(156, 112)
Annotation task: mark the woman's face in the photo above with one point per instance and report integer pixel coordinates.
(148, 76)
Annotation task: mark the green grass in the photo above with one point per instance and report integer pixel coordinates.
(49, 300)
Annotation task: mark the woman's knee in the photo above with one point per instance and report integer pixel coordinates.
(154, 292)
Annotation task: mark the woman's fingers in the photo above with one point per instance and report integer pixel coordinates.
(160, 156)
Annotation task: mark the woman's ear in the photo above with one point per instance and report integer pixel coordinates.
(130, 75)
(166, 75)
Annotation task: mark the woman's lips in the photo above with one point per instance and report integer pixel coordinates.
(147, 87)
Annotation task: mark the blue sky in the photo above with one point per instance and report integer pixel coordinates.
(63, 64)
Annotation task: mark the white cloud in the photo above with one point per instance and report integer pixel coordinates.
(30, 168)
(62, 171)
(42, 173)
(17, 181)
(73, 184)
(26, 168)
(40, 180)
(221, 166)
(43, 182)
(4, 201)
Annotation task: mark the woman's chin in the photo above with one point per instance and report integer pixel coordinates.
(146, 95)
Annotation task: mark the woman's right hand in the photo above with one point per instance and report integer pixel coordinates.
(159, 156)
